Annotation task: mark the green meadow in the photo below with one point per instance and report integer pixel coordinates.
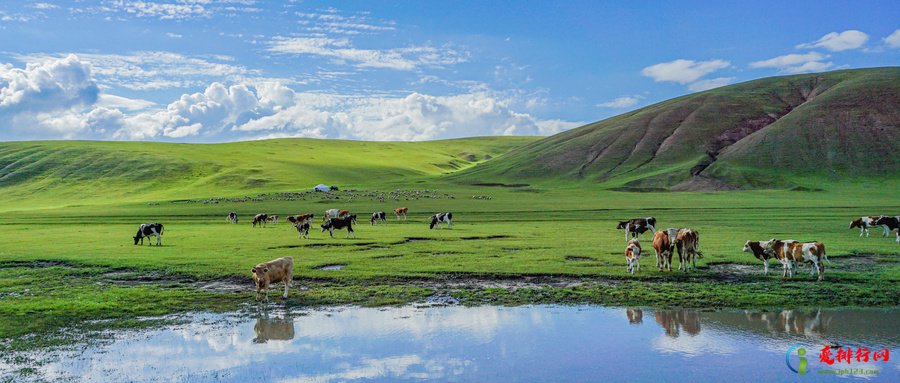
(67, 257)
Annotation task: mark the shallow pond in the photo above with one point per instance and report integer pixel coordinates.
(452, 343)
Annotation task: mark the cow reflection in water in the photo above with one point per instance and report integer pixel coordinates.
(792, 322)
(267, 329)
(635, 316)
(672, 321)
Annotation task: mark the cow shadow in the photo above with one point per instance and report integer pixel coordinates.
(273, 328)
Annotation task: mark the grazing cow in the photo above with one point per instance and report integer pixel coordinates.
(232, 217)
(637, 226)
(148, 229)
(865, 223)
(260, 219)
(273, 219)
(633, 255)
(889, 224)
(329, 214)
(377, 217)
(662, 246)
(401, 211)
(437, 219)
(795, 252)
(300, 218)
(760, 253)
(339, 223)
(303, 229)
(272, 272)
(687, 242)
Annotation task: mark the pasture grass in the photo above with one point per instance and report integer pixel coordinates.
(63, 267)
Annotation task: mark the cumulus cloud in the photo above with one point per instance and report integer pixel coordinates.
(342, 50)
(708, 84)
(893, 40)
(683, 71)
(795, 63)
(621, 102)
(838, 41)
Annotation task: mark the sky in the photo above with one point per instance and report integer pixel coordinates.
(230, 70)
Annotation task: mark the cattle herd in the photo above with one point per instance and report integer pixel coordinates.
(683, 241)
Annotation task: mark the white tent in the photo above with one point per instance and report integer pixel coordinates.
(322, 188)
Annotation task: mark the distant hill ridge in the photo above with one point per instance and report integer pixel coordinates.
(762, 133)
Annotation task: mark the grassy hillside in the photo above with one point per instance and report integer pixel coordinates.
(59, 173)
(778, 131)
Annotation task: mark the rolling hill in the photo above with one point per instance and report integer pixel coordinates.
(770, 132)
(59, 173)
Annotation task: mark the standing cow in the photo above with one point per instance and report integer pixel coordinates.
(633, 255)
(637, 226)
(232, 217)
(378, 216)
(439, 218)
(260, 219)
(687, 242)
(303, 229)
(272, 272)
(401, 212)
(663, 247)
(339, 223)
(148, 229)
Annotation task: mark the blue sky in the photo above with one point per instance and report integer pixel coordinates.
(209, 71)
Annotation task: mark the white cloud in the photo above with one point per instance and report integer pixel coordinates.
(795, 63)
(117, 102)
(342, 51)
(49, 85)
(174, 35)
(683, 71)
(702, 85)
(184, 9)
(893, 40)
(836, 42)
(44, 6)
(621, 102)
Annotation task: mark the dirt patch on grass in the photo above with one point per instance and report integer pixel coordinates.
(374, 248)
(135, 278)
(477, 238)
(413, 240)
(35, 264)
(574, 258)
(388, 256)
(495, 184)
(313, 245)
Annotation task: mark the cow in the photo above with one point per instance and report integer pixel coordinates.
(760, 253)
(330, 213)
(260, 219)
(377, 217)
(795, 252)
(889, 224)
(299, 218)
(303, 229)
(272, 272)
(637, 226)
(343, 213)
(272, 219)
(662, 246)
(865, 223)
(275, 329)
(437, 219)
(232, 217)
(339, 223)
(633, 256)
(148, 229)
(401, 211)
(352, 218)
(687, 242)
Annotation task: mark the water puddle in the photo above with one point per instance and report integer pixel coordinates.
(445, 342)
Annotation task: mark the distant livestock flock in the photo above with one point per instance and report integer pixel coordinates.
(683, 241)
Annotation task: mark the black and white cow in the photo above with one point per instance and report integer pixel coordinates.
(889, 224)
(303, 229)
(638, 226)
(378, 216)
(148, 229)
(865, 223)
(232, 217)
(437, 219)
(337, 224)
(260, 219)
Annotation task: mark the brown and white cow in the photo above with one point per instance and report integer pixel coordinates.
(760, 253)
(662, 246)
(865, 223)
(272, 272)
(260, 219)
(331, 213)
(687, 241)
(401, 211)
(299, 218)
(633, 255)
(796, 252)
(273, 219)
(637, 226)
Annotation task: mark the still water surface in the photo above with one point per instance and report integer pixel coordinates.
(487, 344)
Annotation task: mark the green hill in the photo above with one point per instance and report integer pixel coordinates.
(57, 173)
(770, 132)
